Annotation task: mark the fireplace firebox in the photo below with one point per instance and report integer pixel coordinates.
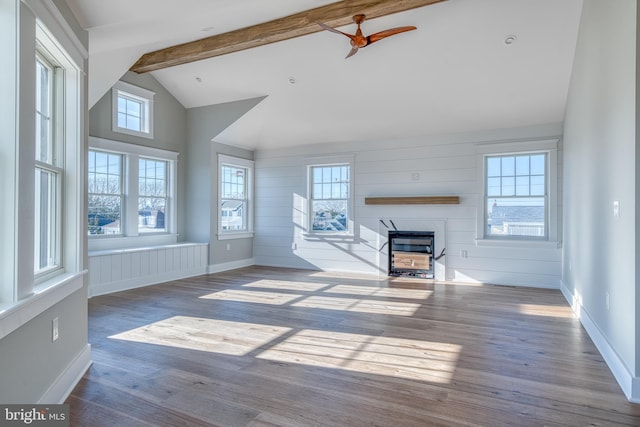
(411, 253)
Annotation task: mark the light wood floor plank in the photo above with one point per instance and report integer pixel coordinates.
(265, 346)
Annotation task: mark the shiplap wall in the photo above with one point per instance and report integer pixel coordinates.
(117, 270)
(444, 166)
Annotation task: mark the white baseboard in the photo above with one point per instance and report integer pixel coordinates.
(138, 282)
(629, 384)
(226, 266)
(66, 382)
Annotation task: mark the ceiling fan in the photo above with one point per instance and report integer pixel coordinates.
(358, 40)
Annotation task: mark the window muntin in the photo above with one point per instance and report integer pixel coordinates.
(48, 170)
(152, 195)
(130, 112)
(105, 179)
(330, 198)
(233, 198)
(516, 195)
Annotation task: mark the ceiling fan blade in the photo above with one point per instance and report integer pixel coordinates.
(390, 32)
(333, 30)
(352, 52)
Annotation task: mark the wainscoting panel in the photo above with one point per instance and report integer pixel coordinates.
(117, 270)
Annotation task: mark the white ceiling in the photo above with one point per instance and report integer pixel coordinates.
(453, 74)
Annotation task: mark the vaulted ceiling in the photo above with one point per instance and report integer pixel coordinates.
(455, 73)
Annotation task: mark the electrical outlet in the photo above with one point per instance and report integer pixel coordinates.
(55, 332)
(607, 300)
(463, 253)
(294, 246)
(228, 246)
(415, 176)
(616, 209)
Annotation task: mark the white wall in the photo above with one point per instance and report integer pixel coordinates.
(600, 168)
(447, 165)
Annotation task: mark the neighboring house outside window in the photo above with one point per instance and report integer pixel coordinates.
(132, 110)
(519, 187)
(331, 196)
(131, 193)
(235, 200)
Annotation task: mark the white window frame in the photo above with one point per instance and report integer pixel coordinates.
(131, 237)
(347, 160)
(552, 220)
(144, 96)
(249, 166)
(23, 296)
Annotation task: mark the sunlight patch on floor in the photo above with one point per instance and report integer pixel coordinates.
(404, 358)
(547, 310)
(419, 294)
(195, 333)
(286, 285)
(260, 297)
(357, 305)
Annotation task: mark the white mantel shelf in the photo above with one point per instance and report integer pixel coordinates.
(413, 200)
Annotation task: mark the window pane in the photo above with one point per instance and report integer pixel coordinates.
(537, 186)
(233, 215)
(522, 165)
(493, 187)
(508, 166)
(508, 186)
(522, 185)
(516, 216)
(329, 215)
(537, 164)
(493, 166)
(105, 214)
(46, 227)
(151, 214)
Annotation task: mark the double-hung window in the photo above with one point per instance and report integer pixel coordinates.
(132, 110)
(106, 193)
(152, 195)
(519, 191)
(235, 200)
(48, 167)
(331, 197)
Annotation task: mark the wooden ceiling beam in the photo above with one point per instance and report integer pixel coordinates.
(296, 25)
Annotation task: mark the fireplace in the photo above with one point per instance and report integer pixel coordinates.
(411, 253)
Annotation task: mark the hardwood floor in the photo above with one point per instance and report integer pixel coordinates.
(276, 347)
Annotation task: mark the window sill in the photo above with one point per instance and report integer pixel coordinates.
(238, 235)
(106, 243)
(519, 243)
(45, 295)
(332, 237)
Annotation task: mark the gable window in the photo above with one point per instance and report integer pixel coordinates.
(519, 189)
(330, 197)
(132, 110)
(235, 200)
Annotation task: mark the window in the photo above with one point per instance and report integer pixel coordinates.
(516, 195)
(131, 193)
(152, 195)
(48, 167)
(105, 193)
(235, 218)
(519, 190)
(330, 196)
(132, 110)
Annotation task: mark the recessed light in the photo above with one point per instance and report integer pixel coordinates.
(199, 80)
(208, 29)
(292, 80)
(510, 39)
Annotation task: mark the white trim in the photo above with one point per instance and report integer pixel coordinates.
(128, 148)
(145, 96)
(629, 384)
(68, 379)
(45, 296)
(232, 265)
